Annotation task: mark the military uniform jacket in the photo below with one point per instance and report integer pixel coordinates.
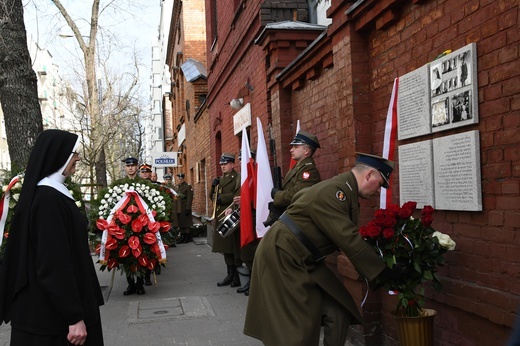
(286, 281)
(183, 202)
(302, 175)
(228, 188)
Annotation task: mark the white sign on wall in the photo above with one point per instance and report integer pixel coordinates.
(164, 159)
(242, 119)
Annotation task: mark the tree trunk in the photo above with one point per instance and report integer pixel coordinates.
(18, 85)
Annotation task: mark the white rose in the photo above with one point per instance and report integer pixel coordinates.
(4, 188)
(78, 203)
(18, 184)
(106, 195)
(445, 240)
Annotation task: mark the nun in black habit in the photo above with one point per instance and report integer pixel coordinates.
(49, 289)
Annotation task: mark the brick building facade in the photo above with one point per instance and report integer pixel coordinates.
(337, 82)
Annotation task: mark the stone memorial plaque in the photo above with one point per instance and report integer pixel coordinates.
(453, 88)
(413, 104)
(416, 173)
(457, 172)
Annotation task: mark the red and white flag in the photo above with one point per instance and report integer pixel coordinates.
(247, 192)
(389, 141)
(293, 161)
(264, 182)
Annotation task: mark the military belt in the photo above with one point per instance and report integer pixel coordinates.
(302, 237)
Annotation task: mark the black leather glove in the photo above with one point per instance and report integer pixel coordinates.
(270, 206)
(215, 182)
(187, 212)
(274, 190)
(398, 271)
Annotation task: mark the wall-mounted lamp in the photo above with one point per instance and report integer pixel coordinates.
(236, 103)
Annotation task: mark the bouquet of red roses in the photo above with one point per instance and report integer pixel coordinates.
(400, 239)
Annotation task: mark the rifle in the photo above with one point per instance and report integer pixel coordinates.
(274, 212)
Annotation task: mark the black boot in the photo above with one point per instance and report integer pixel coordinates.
(130, 289)
(147, 275)
(139, 287)
(244, 288)
(180, 239)
(229, 278)
(236, 279)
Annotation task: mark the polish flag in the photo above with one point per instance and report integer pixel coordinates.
(264, 182)
(247, 192)
(293, 161)
(389, 142)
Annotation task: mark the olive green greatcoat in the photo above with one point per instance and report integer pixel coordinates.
(228, 188)
(303, 174)
(183, 202)
(287, 285)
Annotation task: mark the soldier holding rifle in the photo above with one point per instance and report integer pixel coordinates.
(303, 174)
(223, 190)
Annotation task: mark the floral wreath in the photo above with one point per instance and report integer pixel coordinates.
(11, 190)
(132, 227)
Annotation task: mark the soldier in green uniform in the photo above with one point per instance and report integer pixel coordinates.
(223, 190)
(184, 219)
(303, 174)
(292, 290)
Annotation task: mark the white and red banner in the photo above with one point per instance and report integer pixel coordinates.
(247, 192)
(4, 205)
(264, 182)
(389, 142)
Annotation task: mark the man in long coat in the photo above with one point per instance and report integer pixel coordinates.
(183, 205)
(223, 190)
(302, 175)
(291, 287)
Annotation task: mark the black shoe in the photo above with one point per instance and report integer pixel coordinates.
(129, 290)
(246, 293)
(140, 291)
(180, 239)
(236, 280)
(244, 288)
(226, 282)
(187, 239)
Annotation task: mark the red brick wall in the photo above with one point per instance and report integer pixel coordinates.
(347, 105)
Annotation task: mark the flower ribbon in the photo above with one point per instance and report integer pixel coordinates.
(120, 205)
(4, 206)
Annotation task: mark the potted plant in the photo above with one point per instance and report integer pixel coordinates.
(411, 243)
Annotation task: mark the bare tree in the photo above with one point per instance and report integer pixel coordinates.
(18, 85)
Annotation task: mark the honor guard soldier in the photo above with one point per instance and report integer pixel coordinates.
(290, 277)
(130, 167)
(223, 190)
(184, 218)
(303, 174)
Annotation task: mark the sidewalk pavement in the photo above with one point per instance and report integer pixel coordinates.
(184, 306)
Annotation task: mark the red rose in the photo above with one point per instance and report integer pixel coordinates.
(427, 210)
(388, 233)
(407, 210)
(426, 220)
(373, 230)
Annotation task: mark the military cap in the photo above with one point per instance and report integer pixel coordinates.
(145, 167)
(384, 166)
(181, 175)
(304, 137)
(130, 161)
(226, 158)
(167, 176)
